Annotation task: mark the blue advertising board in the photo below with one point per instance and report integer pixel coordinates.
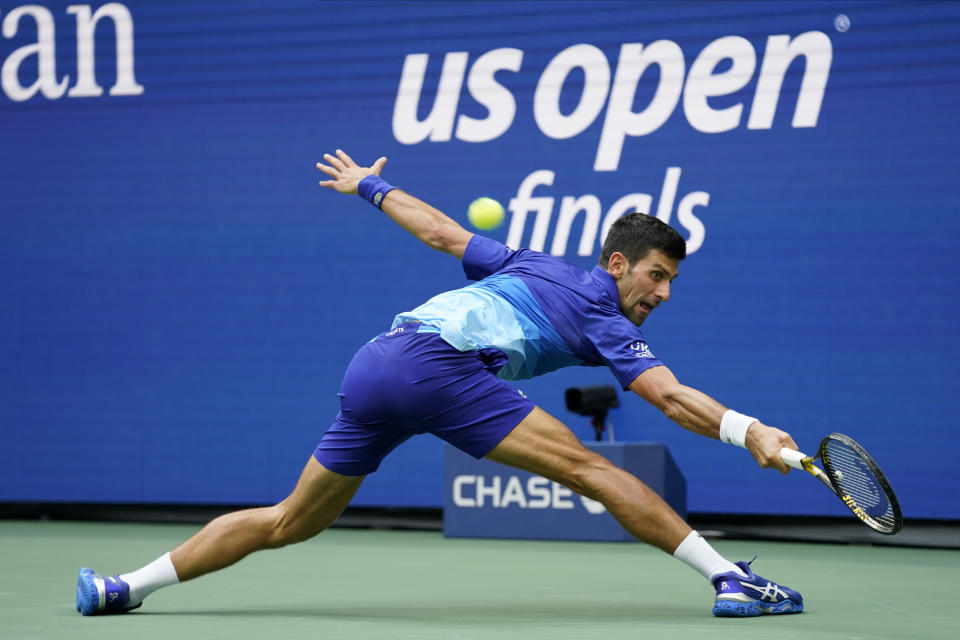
(179, 298)
(484, 499)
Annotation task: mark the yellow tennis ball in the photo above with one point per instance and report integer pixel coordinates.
(485, 213)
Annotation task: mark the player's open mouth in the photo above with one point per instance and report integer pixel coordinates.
(645, 307)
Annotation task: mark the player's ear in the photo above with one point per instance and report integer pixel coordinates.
(617, 264)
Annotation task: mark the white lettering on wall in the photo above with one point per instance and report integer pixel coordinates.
(478, 492)
(722, 68)
(44, 48)
(546, 99)
(47, 84)
(621, 120)
(126, 84)
(497, 99)
(596, 223)
(616, 88)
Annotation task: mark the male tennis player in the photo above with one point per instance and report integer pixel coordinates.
(443, 368)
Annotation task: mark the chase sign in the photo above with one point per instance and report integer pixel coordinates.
(488, 500)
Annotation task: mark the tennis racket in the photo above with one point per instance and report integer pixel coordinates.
(854, 476)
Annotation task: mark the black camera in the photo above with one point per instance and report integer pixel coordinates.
(594, 402)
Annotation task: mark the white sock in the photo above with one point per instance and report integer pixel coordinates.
(702, 558)
(143, 582)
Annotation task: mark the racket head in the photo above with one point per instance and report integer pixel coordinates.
(860, 483)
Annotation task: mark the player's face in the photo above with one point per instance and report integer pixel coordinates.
(644, 284)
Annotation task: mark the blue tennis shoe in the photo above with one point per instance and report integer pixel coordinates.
(741, 597)
(98, 595)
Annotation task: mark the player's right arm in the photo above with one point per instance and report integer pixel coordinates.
(698, 412)
(426, 223)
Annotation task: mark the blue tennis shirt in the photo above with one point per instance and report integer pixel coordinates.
(542, 312)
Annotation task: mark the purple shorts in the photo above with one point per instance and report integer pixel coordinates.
(406, 382)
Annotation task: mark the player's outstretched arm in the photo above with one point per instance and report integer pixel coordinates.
(698, 412)
(426, 223)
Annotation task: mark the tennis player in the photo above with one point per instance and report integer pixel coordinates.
(444, 367)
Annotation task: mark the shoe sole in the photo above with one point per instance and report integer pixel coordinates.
(92, 596)
(734, 609)
(88, 594)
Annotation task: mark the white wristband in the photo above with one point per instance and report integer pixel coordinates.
(733, 428)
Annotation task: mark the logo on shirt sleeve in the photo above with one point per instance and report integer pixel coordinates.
(641, 350)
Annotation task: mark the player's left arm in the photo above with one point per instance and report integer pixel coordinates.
(426, 223)
(698, 412)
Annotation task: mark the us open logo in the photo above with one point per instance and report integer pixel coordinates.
(712, 89)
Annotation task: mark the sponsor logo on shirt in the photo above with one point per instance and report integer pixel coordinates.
(641, 350)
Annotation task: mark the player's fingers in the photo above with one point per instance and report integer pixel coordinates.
(378, 165)
(787, 441)
(770, 463)
(776, 462)
(335, 162)
(327, 183)
(333, 173)
(347, 160)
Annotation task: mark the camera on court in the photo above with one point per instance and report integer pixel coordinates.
(594, 402)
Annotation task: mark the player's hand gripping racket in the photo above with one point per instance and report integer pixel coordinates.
(855, 478)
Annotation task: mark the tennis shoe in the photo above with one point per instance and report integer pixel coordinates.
(99, 595)
(753, 595)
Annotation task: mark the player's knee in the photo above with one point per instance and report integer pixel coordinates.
(289, 528)
(589, 475)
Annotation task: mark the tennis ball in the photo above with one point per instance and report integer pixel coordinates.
(485, 213)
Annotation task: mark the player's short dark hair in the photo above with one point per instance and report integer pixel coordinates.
(635, 234)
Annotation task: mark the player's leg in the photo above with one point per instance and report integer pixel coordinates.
(318, 498)
(351, 448)
(543, 445)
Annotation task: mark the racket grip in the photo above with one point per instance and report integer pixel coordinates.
(793, 458)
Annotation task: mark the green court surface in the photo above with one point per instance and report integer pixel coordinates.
(354, 583)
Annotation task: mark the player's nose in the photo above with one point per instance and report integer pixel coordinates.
(663, 291)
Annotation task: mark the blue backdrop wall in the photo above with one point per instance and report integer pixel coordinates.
(178, 298)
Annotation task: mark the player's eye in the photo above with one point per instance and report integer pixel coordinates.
(656, 275)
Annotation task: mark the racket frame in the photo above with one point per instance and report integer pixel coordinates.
(799, 460)
(877, 474)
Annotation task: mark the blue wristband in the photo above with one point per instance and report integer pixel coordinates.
(373, 189)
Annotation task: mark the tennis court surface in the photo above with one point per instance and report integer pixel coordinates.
(354, 583)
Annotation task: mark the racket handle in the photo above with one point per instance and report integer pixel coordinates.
(793, 458)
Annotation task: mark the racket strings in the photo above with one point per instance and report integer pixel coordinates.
(853, 476)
